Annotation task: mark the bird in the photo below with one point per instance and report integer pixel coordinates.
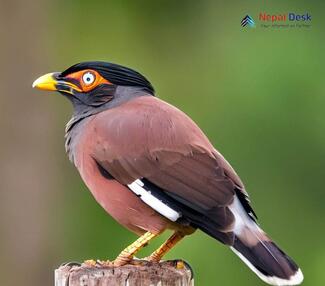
(152, 168)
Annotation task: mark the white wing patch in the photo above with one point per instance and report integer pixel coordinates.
(242, 219)
(137, 187)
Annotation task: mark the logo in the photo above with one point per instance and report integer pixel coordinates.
(278, 21)
(247, 21)
(284, 17)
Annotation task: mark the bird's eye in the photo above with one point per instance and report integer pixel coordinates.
(88, 78)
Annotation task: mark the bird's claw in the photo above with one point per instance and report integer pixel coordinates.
(120, 261)
(151, 259)
(97, 263)
(90, 262)
(105, 263)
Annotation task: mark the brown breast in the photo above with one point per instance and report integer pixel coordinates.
(123, 205)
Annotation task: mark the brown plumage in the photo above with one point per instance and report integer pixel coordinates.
(152, 168)
(179, 159)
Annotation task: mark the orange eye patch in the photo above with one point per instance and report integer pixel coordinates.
(88, 79)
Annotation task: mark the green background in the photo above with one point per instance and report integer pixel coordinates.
(257, 93)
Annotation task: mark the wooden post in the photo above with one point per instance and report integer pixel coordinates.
(140, 273)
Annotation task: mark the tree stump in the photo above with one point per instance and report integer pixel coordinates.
(139, 273)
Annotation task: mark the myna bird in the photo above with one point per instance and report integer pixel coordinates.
(152, 168)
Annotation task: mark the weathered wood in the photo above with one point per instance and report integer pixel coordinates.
(140, 273)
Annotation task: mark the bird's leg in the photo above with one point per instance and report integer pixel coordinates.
(165, 247)
(127, 254)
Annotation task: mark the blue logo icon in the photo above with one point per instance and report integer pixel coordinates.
(247, 21)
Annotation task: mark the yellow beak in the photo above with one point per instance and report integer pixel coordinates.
(46, 82)
(52, 81)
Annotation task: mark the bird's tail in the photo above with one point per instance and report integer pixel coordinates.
(260, 253)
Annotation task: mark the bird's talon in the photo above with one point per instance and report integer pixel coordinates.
(122, 260)
(90, 262)
(141, 262)
(152, 259)
(106, 263)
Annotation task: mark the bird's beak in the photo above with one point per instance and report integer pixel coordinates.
(46, 82)
(53, 82)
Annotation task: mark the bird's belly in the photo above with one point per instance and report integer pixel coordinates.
(123, 205)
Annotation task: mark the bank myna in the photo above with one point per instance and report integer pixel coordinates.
(152, 168)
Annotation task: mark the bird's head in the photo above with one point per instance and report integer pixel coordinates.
(94, 84)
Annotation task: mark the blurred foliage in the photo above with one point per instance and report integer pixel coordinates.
(257, 93)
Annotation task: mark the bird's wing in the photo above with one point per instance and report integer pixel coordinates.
(152, 143)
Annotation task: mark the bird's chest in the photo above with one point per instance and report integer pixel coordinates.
(117, 200)
(121, 203)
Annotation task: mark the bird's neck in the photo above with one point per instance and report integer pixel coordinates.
(72, 131)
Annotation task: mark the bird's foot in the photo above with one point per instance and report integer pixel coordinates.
(90, 262)
(122, 260)
(177, 263)
(153, 258)
(98, 263)
(140, 261)
(105, 263)
(131, 261)
(119, 261)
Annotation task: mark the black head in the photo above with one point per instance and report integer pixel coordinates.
(114, 73)
(92, 84)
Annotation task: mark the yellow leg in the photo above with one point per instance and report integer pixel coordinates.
(165, 247)
(127, 254)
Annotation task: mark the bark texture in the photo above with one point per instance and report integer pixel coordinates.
(141, 273)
